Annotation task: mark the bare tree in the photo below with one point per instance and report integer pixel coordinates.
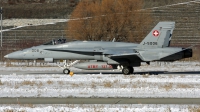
(108, 19)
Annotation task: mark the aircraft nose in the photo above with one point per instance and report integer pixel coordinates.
(6, 56)
(14, 55)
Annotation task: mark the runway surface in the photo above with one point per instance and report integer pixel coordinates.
(85, 72)
(43, 100)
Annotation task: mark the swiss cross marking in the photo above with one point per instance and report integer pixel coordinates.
(156, 33)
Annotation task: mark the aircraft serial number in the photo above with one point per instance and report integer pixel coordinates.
(150, 43)
(35, 50)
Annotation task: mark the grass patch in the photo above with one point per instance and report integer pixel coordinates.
(168, 86)
(184, 86)
(40, 84)
(49, 82)
(107, 84)
(31, 83)
(194, 109)
(1, 83)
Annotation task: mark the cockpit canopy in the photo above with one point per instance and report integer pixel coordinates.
(56, 42)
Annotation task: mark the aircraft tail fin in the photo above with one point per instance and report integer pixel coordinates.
(159, 37)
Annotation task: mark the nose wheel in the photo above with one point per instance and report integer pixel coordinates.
(127, 70)
(67, 66)
(66, 71)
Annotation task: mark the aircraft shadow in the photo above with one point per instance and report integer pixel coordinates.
(143, 73)
(166, 72)
(119, 73)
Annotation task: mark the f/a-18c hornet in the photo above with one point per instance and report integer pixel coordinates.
(110, 55)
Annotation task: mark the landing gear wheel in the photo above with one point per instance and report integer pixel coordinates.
(66, 71)
(127, 70)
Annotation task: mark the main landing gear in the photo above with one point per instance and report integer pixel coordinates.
(127, 70)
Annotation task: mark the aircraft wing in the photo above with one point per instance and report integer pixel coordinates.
(130, 54)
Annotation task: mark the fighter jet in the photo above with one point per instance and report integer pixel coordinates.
(110, 55)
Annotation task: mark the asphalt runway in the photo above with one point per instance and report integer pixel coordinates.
(86, 72)
(99, 100)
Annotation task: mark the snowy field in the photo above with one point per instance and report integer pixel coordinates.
(181, 85)
(40, 85)
(100, 108)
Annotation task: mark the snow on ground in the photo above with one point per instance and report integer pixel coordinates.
(99, 86)
(30, 22)
(19, 23)
(100, 108)
(103, 85)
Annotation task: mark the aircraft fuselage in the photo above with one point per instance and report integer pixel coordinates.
(71, 50)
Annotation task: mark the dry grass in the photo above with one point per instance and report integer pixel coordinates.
(1, 83)
(16, 86)
(116, 81)
(49, 82)
(8, 64)
(184, 86)
(31, 83)
(134, 86)
(123, 86)
(8, 110)
(194, 109)
(13, 110)
(27, 105)
(196, 54)
(132, 76)
(107, 84)
(60, 82)
(40, 84)
(76, 85)
(93, 85)
(168, 86)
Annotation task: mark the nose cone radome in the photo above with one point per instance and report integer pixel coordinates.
(6, 56)
(14, 55)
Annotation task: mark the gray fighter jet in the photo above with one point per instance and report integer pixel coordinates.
(110, 55)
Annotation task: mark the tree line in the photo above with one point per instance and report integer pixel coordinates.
(107, 19)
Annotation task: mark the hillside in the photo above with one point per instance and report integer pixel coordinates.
(56, 8)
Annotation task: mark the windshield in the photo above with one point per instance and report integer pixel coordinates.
(56, 42)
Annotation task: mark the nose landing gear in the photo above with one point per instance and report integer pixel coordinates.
(66, 67)
(66, 71)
